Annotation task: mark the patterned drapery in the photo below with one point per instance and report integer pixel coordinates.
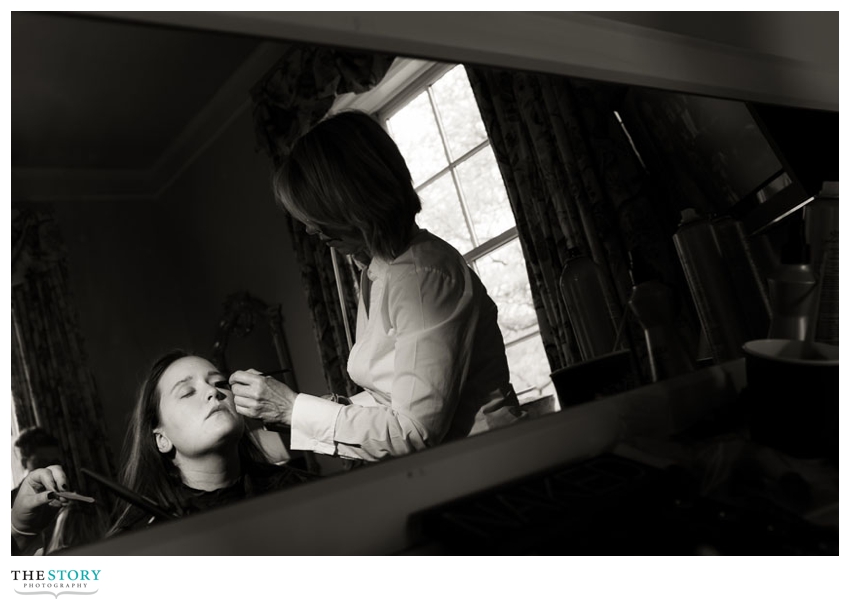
(52, 386)
(573, 180)
(294, 96)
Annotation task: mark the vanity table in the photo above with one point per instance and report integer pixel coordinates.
(713, 494)
(386, 503)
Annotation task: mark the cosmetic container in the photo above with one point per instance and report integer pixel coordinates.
(711, 287)
(584, 295)
(793, 289)
(651, 302)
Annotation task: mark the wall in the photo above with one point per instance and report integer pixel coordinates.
(151, 276)
(124, 290)
(229, 235)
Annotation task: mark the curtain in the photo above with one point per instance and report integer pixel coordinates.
(295, 95)
(573, 180)
(52, 386)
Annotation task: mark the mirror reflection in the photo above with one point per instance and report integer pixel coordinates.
(156, 207)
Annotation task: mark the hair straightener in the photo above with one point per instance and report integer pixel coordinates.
(128, 495)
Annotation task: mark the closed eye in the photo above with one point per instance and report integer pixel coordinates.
(223, 385)
(188, 393)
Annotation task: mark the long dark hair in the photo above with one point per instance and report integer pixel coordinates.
(347, 171)
(146, 470)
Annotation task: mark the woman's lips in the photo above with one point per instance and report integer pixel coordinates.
(216, 409)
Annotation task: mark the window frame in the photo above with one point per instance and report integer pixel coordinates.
(406, 80)
(385, 107)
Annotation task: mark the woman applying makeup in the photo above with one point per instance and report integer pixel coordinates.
(428, 353)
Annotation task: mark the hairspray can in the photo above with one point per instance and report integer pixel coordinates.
(587, 305)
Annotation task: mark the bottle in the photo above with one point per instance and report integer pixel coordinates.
(822, 236)
(711, 287)
(747, 278)
(651, 302)
(793, 289)
(583, 292)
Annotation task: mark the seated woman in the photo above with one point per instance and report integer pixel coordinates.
(187, 448)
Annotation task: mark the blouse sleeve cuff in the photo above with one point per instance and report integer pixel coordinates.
(313, 423)
(364, 399)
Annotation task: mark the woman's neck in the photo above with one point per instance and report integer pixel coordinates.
(211, 471)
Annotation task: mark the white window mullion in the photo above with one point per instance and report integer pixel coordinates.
(454, 164)
(522, 338)
(491, 245)
(463, 206)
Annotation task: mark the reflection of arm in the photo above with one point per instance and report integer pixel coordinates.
(26, 544)
(432, 316)
(35, 507)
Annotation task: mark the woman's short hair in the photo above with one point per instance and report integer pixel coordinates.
(348, 172)
(30, 439)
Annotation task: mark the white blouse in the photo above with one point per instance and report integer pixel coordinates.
(429, 355)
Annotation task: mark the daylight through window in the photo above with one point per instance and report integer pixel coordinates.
(442, 137)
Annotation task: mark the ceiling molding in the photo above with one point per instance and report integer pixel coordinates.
(56, 185)
(231, 100)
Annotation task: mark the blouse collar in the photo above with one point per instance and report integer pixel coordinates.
(377, 268)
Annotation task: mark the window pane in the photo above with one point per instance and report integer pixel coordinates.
(415, 131)
(441, 213)
(459, 112)
(485, 195)
(530, 369)
(503, 273)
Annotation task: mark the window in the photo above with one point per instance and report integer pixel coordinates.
(436, 123)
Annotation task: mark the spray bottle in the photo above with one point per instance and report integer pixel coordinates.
(711, 287)
(793, 288)
(584, 296)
